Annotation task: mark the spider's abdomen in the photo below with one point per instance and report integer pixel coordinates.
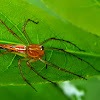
(35, 51)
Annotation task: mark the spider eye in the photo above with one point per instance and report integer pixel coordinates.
(42, 48)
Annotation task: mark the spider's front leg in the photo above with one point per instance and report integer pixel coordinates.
(45, 41)
(12, 32)
(25, 34)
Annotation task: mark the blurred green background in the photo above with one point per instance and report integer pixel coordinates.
(73, 20)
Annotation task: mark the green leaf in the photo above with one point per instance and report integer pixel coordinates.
(14, 13)
(84, 14)
(28, 93)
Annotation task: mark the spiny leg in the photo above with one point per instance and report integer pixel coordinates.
(19, 64)
(60, 40)
(25, 34)
(64, 70)
(28, 63)
(51, 48)
(12, 32)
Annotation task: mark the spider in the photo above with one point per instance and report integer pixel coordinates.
(33, 52)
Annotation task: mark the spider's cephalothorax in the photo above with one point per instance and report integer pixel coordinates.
(35, 51)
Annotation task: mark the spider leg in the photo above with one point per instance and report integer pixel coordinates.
(51, 48)
(52, 65)
(25, 34)
(28, 63)
(6, 52)
(19, 64)
(45, 60)
(45, 41)
(12, 32)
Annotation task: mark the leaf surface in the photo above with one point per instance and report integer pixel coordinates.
(14, 13)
